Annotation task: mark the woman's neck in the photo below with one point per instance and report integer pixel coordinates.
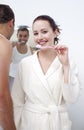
(49, 53)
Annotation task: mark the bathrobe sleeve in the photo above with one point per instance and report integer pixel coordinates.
(18, 97)
(71, 90)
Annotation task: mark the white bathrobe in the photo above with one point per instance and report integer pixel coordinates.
(40, 99)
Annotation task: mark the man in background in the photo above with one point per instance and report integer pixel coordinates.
(21, 49)
(7, 20)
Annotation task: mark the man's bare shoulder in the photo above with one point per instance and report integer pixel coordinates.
(5, 49)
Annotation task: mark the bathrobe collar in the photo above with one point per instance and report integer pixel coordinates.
(38, 70)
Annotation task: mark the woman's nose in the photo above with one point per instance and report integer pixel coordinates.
(40, 36)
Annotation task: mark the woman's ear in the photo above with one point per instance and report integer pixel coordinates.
(56, 33)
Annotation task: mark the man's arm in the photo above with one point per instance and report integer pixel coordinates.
(6, 106)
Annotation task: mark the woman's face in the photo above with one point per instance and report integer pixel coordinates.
(43, 33)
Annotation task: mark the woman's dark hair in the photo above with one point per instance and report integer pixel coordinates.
(6, 13)
(51, 22)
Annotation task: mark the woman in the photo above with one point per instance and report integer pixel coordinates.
(45, 82)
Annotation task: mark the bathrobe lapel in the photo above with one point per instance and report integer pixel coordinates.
(42, 78)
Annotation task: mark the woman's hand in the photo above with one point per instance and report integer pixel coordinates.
(62, 53)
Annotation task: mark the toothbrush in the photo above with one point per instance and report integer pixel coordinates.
(42, 47)
(52, 47)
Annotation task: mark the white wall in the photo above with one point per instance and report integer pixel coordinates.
(77, 110)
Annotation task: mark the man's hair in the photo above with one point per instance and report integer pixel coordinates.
(23, 28)
(6, 13)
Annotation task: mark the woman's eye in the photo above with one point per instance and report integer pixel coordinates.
(44, 32)
(35, 33)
